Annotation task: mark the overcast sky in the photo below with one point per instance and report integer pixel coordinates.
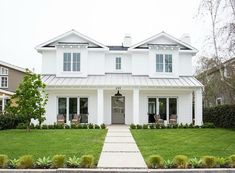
(26, 23)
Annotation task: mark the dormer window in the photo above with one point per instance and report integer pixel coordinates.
(71, 62)
(3, 71)
(164, 63)
(118, 63)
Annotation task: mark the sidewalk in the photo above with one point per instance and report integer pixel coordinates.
(120, 150)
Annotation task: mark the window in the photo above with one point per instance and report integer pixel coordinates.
(67, 62)
(4, 81)
(159, 63)
(168, 63)
(4, 71)
(72, 107)
(164, 63)
(219, 101)
(118, 63)
(71, 63)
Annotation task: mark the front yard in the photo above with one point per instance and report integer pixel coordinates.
(39, 143)
(190, 142)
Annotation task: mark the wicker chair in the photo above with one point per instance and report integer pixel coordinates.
(76, 119)
(60, 119)
(158, 119)
(173, 119)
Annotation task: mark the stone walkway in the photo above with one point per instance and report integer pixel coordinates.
(120, 150)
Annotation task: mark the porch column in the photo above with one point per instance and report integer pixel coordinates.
(67, 110)
(100, 106)
(136, 95)
(3, 102)
(198, 106)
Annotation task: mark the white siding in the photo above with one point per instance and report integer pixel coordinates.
(48, 62)
(185, 108)
(140, 63)
(185, 64)
(96, 63)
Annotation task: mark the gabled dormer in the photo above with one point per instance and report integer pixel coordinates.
(67, 54)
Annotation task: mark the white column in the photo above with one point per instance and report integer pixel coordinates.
(167, 110)
(198, 106)
(67, 110)
(3, 102)
(100, 106)
(136, 95)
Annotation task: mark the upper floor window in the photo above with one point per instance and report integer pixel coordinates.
(219, 101)
(4, 81)
(3, 71)
(164, 63)
(118, 63)
(71, 62)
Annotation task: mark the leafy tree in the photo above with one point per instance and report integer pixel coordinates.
(30, 99)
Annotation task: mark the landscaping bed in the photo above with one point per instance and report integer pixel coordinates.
(47, 143)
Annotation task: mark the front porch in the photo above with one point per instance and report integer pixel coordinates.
(125, 105)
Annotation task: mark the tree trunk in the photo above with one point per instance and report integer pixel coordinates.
(28, 126)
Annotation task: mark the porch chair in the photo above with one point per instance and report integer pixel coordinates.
(60, 119)
(76, 119)
(158, 119)
(173, 119)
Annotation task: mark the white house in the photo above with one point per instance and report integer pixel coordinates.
(120, 84)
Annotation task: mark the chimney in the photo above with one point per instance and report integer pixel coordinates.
(186, 38)
(127, 40)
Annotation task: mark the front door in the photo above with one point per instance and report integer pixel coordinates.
(118, 110)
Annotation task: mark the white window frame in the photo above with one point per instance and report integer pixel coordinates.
(164, 63)
(118, 65)
(2, 69)
(1, 81)
(71, 62)
(221, 101)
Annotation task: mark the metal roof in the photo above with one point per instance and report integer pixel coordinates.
(124, 80)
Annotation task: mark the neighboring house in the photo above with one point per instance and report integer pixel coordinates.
(10, 78)
(216, 91)
(119, 84)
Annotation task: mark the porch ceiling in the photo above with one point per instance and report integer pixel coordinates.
(123, 80)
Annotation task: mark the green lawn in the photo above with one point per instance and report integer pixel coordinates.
(41, 143)
(190, 142)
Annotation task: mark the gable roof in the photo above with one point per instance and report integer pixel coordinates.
(165, 35)
(12, 66)
(40, 46)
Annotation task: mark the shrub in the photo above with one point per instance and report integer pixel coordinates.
(51, 126)
(97, 126)
(208, 125)
(158, 126)
(84, 126)
(195, 163)
(168, 164)
(59, 126)
(175, 126)
(138, 126)
(73, 162)
(44, 126)
(220, 116)
(155, 161)
(25, 162)
(32, 126)
(181, 126)
(90, 126)
(151, 126)
(3, 161)
(37, 126)
(163, 126)
(222, 162)
(191, 125)
(66, 126)
(87, 161)
(13, 163)
(103, 126)
(44, 162)
(133, 126)
(145, 126)
(180, 161)
(80, 126)
(21, 126)
(186, 126)
(232, 160)
(58, 161)
(73, 126)
(9, 121)
(209, 161)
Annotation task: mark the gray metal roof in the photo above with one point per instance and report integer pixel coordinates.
(124, 80)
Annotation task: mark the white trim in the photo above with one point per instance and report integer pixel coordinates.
(166, 35)
(1, 82)
(12, 66)
(40, 46)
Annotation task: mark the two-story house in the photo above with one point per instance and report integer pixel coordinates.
(120, 84)
(10, 78)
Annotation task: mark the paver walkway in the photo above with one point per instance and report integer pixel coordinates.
(120, 150)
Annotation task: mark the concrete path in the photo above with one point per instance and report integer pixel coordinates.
(120, 150)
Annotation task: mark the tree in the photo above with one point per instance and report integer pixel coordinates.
(220, 44)
(31, 99)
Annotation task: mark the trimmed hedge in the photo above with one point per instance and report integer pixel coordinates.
(220, 116)
(9, 121)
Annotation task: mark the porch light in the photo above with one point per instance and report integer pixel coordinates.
(118, 94)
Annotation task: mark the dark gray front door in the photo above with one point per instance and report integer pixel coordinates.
(118, 110)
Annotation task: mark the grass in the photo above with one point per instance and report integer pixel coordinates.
(39, 143)
(190, 142)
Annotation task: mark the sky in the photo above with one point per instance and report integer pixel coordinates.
(24, 24)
